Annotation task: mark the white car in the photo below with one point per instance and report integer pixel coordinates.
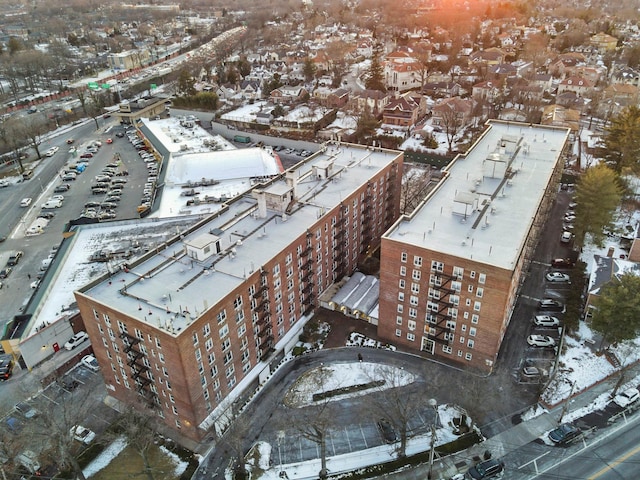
(546, 321)
(626, 398)
(90, 362)
(558, 277)
(540, 341)
(58, 197)
(25, 202)
(52, 151)
(566, 237)
(76, 340)
(4, 182)
(82, 434)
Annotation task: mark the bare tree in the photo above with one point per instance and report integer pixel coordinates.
(451, 122)
(415, 184)
(138, 426)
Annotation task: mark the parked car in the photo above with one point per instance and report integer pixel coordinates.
(530, 372)
(6, 368)
(564, 434)
(68, 177)
(551, 304)
(92, 205)
(387, 431)
(557, 277)
(561, 263)
(108, 215)
(98, 191)
(62, 188)
(90, 362)
(76, 340)
(108, 205)
(119, 181)
(544, 341)
(14, 258)
(110, 140)
(566, 237)
(26, 410)
(82, 434)
(546, 321)
(120, 134)
(626, 398)
(491, 468)
(86, 155)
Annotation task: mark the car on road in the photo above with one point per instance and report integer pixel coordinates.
(5, 272)
(6, 368)
(70, 141)
(76, 340)
(52, 203)
(52, 151)
(90, 362)
(558, 277)
(543, 341)
(491, 468)
(387, 431)
(546, 321)
(82, 434)
(26, 410)
(626, 398)
(62, 188)
(25, 202)
(562, 263)
(4, 182)
(551, 305)
(564, 434)
(14, 258)
(120, 134)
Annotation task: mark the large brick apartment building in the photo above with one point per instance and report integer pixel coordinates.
(194, 326)
(451, 271)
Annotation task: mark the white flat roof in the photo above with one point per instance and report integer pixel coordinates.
(169, 290)
(483, 208)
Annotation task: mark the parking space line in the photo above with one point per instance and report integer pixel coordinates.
(364, 438)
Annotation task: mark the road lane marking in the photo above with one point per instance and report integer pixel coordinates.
(615, 463)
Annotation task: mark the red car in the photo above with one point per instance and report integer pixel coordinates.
(109, 140)
(87, 155)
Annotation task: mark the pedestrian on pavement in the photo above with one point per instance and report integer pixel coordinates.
(29, 276)
(360, 357)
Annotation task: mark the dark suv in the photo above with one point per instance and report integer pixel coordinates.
(6, 368)
(488, 469)
(564, 434)
(14, 258)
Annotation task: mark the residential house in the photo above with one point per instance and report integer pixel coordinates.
(402, 73)
(579, 85)
(501, 71)
(486, 92)
(372, 101)
(490, 56)
(288, 94)
(565, 64)
(544, 80)
(604, 42)
(401, 111)
(559, 116)
(338, 98)
(441, 89)
(622, 93)
(624, 74)
(606, 269)
(453, 108)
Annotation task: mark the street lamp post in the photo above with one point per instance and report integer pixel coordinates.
(434, 404)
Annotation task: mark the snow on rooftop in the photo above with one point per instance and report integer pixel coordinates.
(245, 112)
(484, 206)
(173, 289)
(76, 270)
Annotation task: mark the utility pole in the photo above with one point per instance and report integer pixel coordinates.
(565, 407)
(432, 448)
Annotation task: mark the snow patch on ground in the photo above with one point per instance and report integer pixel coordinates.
(105, 458)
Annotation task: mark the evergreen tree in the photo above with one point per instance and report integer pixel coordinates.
(617, 309)
(622, 141)
(374, 79)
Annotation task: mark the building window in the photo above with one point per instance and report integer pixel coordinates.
(222, 316)
(437, 266)
(460, 353)
(403, 271)
(400, 308)
(228, 356)
(472, 274)
(447, 349)
(208, 344)
(458, 272)
(413, 300)
(416, 274)
(454, 299)
(401, 296)
(472, 332)
(470, 343)
(211, 358)
(411, 337)
(467, 302)
(476, 306)
(224, 331)
(417, 261)
(479, 292)
(463, 328)
(413, 313)
(470, 288)
(106, 319)
(475, 318)
(398, 320)
(398, 332)
(482, 278)
(403, 259)
(206, 330)
(457, 286)
(237, 303)
(401, 284)
(468, 356)
(415, 288)
(433, 293)
(411, 325)
(195, 338)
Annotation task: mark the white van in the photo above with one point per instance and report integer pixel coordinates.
(52, 203)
